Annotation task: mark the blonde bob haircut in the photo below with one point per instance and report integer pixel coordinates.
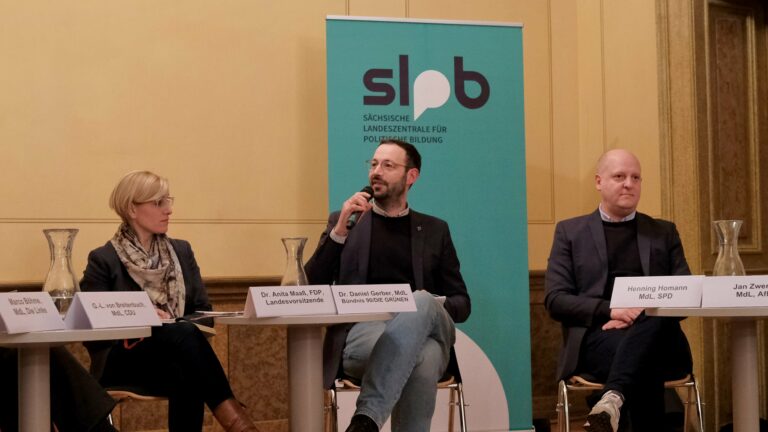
(136, 187)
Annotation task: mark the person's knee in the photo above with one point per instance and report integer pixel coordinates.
(186, 328)
(184, 334)
(425, 302)
(431, 364)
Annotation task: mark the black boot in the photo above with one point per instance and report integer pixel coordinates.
(362, 423)
(104, 426)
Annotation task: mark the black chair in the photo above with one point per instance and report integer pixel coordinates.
(98, 352)
(451, 381)
(585, 383)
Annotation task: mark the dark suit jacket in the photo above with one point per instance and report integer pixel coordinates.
(105, 272)
(577, 273)
(435, 269)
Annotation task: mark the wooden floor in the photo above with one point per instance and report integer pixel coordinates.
(577, 425)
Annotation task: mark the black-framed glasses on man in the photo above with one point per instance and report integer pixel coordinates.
(386, 165)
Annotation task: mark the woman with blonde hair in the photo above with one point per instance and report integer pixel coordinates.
(177, 361)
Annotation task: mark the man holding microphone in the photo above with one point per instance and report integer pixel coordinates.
(376, 238)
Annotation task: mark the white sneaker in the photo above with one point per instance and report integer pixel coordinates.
(604, 416)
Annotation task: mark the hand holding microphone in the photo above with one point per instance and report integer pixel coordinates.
(352, 209)
(356, 215)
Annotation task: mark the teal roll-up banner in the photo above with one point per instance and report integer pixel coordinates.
(455, 90)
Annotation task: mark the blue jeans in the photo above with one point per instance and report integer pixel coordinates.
(399, 363)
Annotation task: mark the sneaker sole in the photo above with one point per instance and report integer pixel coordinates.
(600, 422)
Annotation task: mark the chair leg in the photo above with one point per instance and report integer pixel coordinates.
(699, 410)
(563, 418)
(117, 420)
(451, 407)
(686, 408)
(327, 410)
(333, 411)
(462, 408)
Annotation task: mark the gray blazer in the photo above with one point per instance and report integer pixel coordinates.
(435, 269)
(577, 272)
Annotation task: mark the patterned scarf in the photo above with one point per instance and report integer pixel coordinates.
(157, 271)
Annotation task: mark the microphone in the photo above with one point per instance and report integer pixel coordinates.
(356, 215)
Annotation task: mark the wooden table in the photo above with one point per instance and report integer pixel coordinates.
(34, 367)
(305, 360)
(744, 379)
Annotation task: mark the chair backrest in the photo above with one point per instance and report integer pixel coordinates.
(453, 368)
(451, 372)
(451, 380)
(99, 353)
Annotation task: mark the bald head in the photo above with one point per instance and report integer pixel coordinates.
(619, 181)
(614, 155)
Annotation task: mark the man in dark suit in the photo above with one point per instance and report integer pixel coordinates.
(400, 361)
(631, 352)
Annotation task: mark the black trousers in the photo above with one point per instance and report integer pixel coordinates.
(78, 403)
(176, 362)
(635, 362)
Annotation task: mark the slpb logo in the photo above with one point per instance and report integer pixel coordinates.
(431, 88)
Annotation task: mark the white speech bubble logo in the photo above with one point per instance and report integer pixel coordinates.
(430, 90)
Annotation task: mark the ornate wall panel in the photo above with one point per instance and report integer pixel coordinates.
(733, 149)
(713, 106)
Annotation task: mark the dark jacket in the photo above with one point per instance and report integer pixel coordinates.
(435, 269)
(577, 272)
(105, 272)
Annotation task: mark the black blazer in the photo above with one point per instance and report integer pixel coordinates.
(577, 272)
(435, 269)
(105, 272)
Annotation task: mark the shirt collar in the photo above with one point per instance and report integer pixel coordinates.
(381, 212)
(604, 216)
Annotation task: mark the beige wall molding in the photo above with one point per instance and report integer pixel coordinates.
(175, 221)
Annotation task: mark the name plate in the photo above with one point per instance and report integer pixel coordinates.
(28, 311)
(735, 291)
(657, 291)
(110, 309)
(275, 301)
(352, 299)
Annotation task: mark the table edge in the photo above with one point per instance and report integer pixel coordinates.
(306, 320)
(720, 312)
(70, 335)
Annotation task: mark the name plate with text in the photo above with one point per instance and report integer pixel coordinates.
(351, 299)
(735, 291)
(111, 309)
(28, 311)
(275, 301)
(657, 291)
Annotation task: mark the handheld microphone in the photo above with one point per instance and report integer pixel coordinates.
(356, 215)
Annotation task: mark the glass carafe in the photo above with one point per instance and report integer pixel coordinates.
(728, 261)
(61, 282)
(294, 265)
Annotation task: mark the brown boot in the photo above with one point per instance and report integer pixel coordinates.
(232, 417)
